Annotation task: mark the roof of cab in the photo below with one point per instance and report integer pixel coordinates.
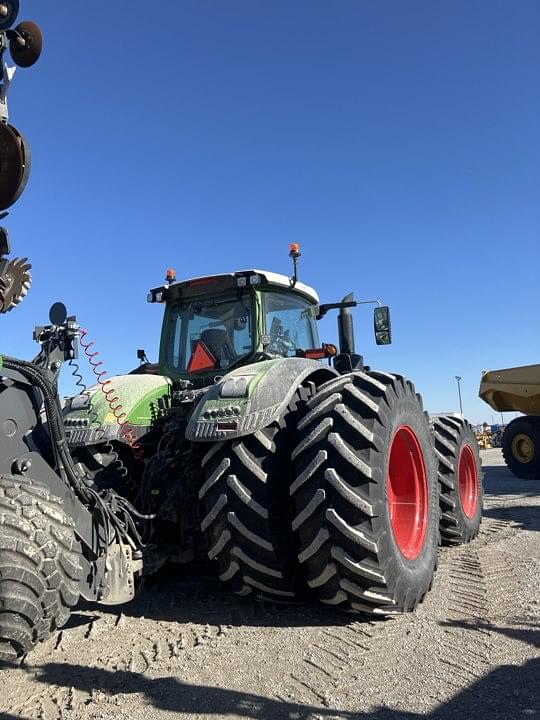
(273, 279)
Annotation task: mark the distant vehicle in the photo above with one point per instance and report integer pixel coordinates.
(517, 389)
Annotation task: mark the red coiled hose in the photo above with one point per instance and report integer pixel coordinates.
(113, 401)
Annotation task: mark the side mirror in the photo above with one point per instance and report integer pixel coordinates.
(382, 325)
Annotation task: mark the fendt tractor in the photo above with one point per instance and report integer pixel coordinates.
(286, 464)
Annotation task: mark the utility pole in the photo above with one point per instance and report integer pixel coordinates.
(458, 379)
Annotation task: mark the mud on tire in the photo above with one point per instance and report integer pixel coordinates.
(366, 543)
(460, 479)
(245, 510)
(39, 565)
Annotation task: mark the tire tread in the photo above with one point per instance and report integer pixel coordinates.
(39, 565)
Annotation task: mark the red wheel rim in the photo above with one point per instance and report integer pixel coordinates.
(468, 481)
(408, 494)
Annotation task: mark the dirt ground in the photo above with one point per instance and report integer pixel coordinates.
(187, 650)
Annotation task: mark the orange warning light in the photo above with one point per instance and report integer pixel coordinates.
(294, 249)
(171, 275)
(330, 349)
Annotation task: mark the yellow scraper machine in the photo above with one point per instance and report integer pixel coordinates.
(517, 389)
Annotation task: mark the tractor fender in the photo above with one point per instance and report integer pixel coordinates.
(90, 418)
(251, 397)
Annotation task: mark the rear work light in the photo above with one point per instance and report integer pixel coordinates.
(243, 280)
(155, 297)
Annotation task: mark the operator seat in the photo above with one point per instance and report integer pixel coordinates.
(218, 342)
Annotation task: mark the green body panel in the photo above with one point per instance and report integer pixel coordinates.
(250, 397)
(138, 395)
(258, 371)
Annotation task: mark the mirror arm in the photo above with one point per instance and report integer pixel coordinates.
(323, 309)
(369, 302)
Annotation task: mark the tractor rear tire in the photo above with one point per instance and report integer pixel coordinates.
(366, 494)
(521, 447)
(39, 565)
(246, 510)
(460, 479)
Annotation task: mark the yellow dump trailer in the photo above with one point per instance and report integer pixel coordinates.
(517, 389)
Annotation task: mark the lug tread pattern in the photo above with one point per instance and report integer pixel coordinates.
(449, 436)
(39, 565)
(344, 544)
(246, 512)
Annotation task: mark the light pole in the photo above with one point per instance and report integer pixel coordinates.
(459, 393)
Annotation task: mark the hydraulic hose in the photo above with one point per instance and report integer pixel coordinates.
(116, 512)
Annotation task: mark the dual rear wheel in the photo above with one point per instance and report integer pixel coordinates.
(345, 498)
(460, 480)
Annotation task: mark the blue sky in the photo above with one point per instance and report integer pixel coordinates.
(396, 141)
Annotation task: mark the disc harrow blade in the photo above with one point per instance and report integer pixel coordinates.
(15, 281)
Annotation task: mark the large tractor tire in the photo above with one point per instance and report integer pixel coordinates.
(366, 494)
(460, 479)
(521, 447)
(39, 565)
(245, 510)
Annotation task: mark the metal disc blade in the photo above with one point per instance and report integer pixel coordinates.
(9, 9)
(15, 161)
(15, 281)
(27, 162)
(28, 54)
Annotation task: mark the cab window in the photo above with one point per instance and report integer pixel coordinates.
(222, 324)
(290, 323)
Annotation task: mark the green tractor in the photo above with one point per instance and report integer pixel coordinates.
(298, 471)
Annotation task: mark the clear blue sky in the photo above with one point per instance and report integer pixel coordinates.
(396, 141)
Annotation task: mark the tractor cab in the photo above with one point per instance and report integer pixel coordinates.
(214, 324)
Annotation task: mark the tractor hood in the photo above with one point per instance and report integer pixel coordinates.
(136, 396)
(251, 397)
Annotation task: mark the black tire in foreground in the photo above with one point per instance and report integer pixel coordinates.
(521, 447)
(245, 510)
(460, 479)
(366, 495)
(39, 565)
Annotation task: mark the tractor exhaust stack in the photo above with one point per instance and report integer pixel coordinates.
(346, 327)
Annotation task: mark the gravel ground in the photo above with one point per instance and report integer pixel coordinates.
(183, 649)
